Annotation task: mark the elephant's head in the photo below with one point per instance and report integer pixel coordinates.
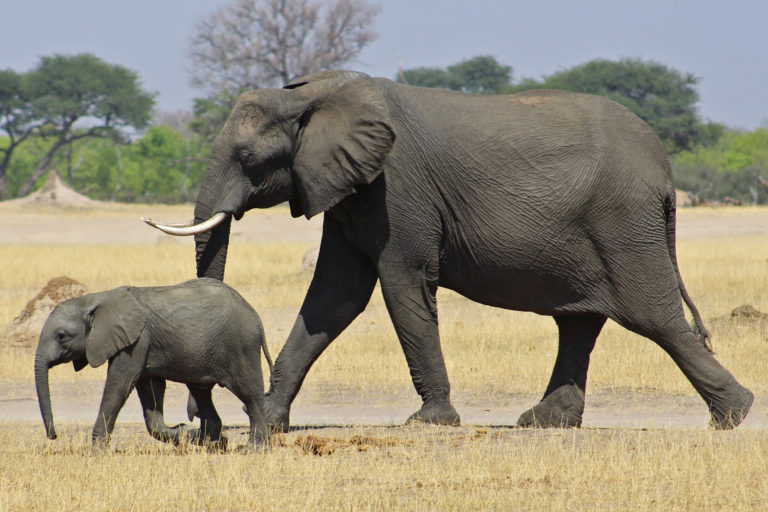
(85, 330)
(310, 143)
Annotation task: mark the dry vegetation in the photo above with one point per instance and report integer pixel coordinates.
(489, 352)
(396, 469)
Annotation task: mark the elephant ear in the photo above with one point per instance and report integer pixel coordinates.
(80, 363)
(116, 322)
(345, 133)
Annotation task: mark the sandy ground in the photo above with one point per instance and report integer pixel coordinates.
(78, 402)
(120, 225)
(123, 226)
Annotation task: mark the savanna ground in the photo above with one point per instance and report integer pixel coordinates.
(645, 444)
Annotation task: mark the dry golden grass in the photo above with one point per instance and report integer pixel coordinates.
(431, 468)
(488, 352)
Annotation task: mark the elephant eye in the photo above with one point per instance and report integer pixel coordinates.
(61, 336)
(245, 157)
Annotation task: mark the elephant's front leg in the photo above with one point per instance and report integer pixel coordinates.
(341, 287)
(151, 392)
(122, 375)
(210, 422)
(410, 299)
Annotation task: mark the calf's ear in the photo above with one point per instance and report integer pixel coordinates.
(116, 321)
(80, 363)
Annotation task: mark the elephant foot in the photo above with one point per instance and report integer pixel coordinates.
(436, 413)
(99, 445)
(192, 435)
(560, 409)
(263, 446)
(730, 414)
(276, 415)
(217, 446)
(199, 437)
(175, 435)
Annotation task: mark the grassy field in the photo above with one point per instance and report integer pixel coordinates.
(361, 469)
(488, 352)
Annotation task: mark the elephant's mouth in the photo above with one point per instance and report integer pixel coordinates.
(189, 229)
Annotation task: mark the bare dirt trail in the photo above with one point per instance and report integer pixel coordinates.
(115, 224)
(78, 402)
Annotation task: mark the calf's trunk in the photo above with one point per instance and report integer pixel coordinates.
(43, 394)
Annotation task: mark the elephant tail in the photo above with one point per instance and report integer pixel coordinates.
(266, 355)
(670, 211)
(266, 351)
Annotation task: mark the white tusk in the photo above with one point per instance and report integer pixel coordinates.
(187, 229)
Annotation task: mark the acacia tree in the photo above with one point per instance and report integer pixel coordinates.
(16, 121)
(65, 90)
(248, 44)
(260, 43)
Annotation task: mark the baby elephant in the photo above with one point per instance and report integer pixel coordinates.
(201, 333)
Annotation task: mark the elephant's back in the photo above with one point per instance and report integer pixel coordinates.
(204, 305)
(545, 123)
(199, 330)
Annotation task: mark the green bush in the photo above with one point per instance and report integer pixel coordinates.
(710, 185)
(735, 167)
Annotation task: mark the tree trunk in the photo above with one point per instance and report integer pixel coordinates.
(41, 168)
(120, 169)
(3, 185)
(4, 164)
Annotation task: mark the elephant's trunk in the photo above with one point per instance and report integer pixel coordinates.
(210, 246)
(42, 365)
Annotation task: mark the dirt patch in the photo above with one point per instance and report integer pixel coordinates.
(745, 316)
(320, 445)
(25, 329)
(748, 311)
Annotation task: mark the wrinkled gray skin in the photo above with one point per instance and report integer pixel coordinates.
(547, 201)
(201, 332)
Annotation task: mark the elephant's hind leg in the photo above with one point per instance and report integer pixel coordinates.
(563, 401)
(253, 398)
(728, 401)
(210, 422)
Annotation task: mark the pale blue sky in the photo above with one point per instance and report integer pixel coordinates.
(723, 43)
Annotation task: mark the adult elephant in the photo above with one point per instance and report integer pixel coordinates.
(547, 201)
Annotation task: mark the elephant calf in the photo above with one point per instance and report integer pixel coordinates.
(201, 333)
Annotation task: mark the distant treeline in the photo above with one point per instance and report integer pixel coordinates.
(92, 123)
(160, 166)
